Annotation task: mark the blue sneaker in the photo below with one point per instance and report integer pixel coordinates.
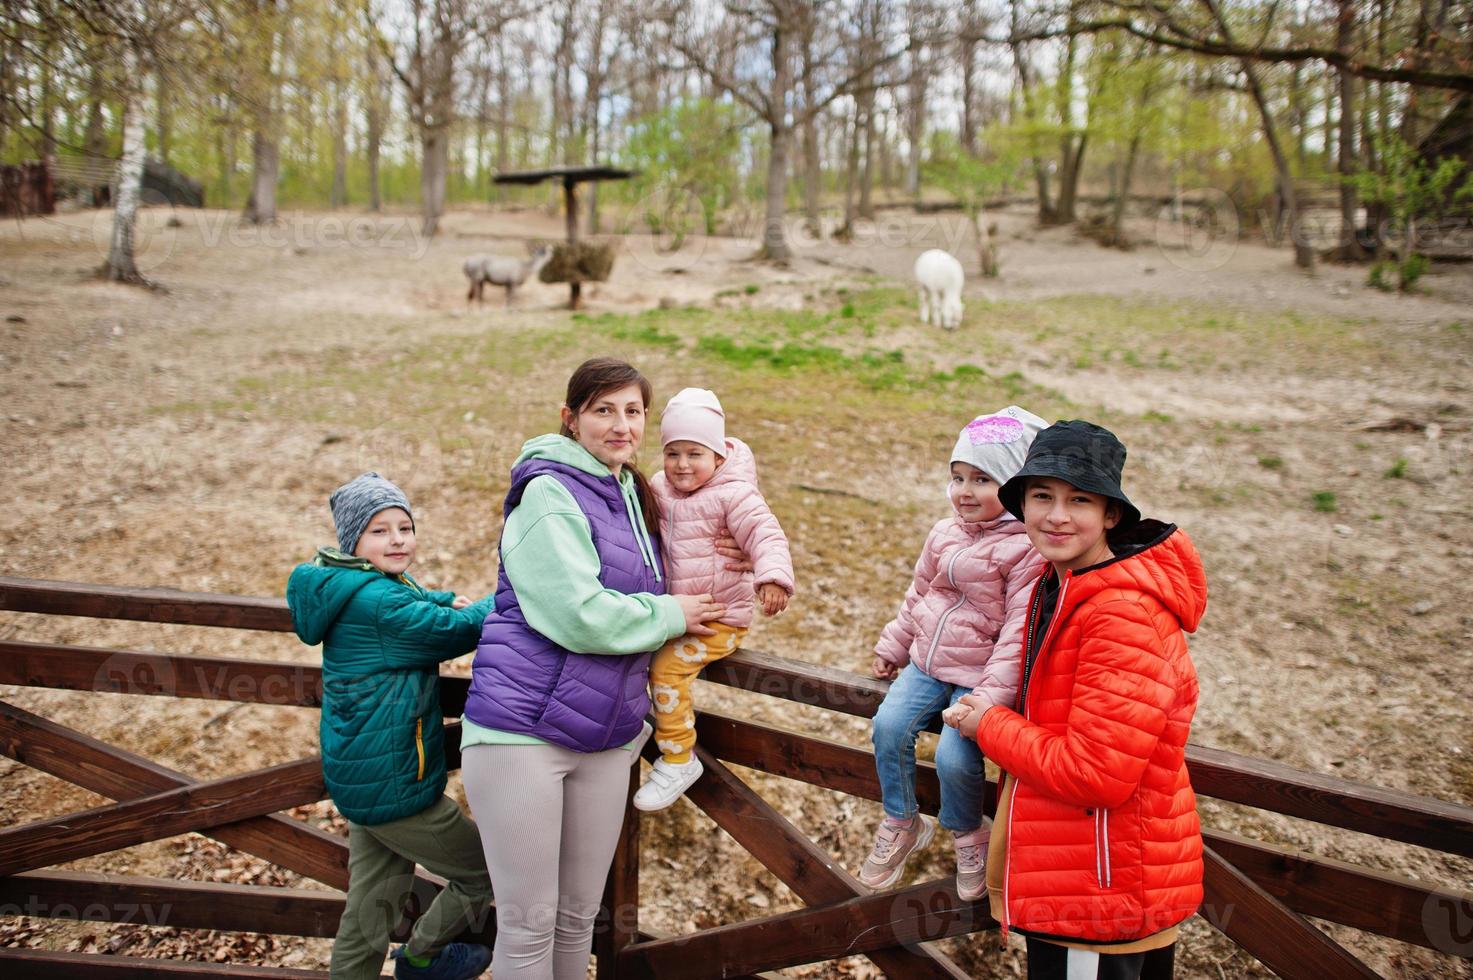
(457, 961)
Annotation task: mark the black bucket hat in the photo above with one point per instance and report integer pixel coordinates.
(1081, 453)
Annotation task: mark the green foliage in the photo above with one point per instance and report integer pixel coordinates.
(685, 155)
(1397, 470)
(1271, 462)
(969, 179)
(1411, 189)
(1324, 501)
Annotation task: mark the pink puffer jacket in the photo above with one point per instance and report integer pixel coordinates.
(962, 619)
(690, 523)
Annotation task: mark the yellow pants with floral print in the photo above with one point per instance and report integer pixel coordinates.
(674, 666)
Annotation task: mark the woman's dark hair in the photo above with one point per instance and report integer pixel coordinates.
(599, 376)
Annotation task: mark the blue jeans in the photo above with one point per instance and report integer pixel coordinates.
(914, 699)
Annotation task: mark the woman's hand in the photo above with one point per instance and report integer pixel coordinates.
(883, 669)
(698, 610)
(727, 547)
(774, 598)
(461, 601)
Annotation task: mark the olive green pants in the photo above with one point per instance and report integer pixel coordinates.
(381, 862)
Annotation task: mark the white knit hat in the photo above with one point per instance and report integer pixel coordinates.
(695, 415)
(998, 443)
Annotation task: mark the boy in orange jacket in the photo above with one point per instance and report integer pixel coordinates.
(1096, 853)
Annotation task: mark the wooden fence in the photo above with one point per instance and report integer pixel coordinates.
(1257, 893)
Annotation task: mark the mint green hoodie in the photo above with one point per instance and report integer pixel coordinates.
(548, 555)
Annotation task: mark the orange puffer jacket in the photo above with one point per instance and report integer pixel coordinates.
(1103, 843)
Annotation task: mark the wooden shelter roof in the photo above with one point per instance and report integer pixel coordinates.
(576, 175)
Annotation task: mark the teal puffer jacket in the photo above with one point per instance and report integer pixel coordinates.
(383, 638)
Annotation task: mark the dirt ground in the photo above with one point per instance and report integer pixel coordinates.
(1312, 434)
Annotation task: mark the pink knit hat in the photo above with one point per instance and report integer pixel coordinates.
(694, 415)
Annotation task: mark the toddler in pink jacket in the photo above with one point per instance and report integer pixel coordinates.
(709, 484)
(959, 631)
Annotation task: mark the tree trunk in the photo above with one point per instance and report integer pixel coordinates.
(1327, 136)
(812, 176)
(121, 266)
(339, 146)
(1350, 247)
(1030, 114)
(1073, 166)
(916, 127)
(165, 120)
(433, 172)
(867, 174)
(1298, 115)
(266, 163)
(1303, 253)
(774, 238)
(375, 139)
(1122, 192)
(968, 59)
(851, 172)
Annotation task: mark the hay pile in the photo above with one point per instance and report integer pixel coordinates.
(579, 262)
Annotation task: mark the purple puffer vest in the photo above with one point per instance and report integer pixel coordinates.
(523, 682)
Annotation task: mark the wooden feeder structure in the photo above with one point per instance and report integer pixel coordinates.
(571, 177)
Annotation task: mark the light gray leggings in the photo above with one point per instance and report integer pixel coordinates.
(549, 820)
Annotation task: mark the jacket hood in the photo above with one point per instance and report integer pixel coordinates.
(317, 592)
(1157, 559)
(560, 449)
(740, 467)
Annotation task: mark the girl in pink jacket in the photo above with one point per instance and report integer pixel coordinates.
(958, 632)
(709, 485)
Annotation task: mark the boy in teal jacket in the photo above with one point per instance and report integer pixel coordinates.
(383, 747)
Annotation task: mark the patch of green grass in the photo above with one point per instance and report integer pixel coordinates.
(1324, 501)
(647, 333)
(1397, 470)
(751, 289)
(1271, 462)
(1154, 416)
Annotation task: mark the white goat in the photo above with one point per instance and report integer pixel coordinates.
(503, 270)
(940, 277)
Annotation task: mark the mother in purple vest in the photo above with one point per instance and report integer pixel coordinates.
(555, 715)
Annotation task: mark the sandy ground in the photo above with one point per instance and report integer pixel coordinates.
(143, 447)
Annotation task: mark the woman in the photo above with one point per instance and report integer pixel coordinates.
(555, 714)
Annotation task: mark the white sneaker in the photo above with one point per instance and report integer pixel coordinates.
(667, 781)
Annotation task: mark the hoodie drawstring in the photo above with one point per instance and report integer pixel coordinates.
(641, 532)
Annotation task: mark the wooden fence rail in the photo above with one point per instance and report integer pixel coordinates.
(1257, 893)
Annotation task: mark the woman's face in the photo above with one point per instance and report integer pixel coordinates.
(611, 426)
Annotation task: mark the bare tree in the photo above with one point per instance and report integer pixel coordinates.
(427, 67)
(772, 31)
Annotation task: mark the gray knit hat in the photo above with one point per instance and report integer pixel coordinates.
(355, 502)
(998, 443)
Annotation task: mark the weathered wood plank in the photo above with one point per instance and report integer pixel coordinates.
(1377, 902)
(813, 760)
(149, 605)
(1280, 939)
(795, 680)
(163, 814)
(1335, 802)
(177, 904)
(619, 917)
(861, 925)
(1373, 901)
(121, 775)
(77, 668)
(42, 964)
(796, 861)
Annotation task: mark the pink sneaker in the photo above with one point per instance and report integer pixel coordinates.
(893, 844)
(971, 862)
